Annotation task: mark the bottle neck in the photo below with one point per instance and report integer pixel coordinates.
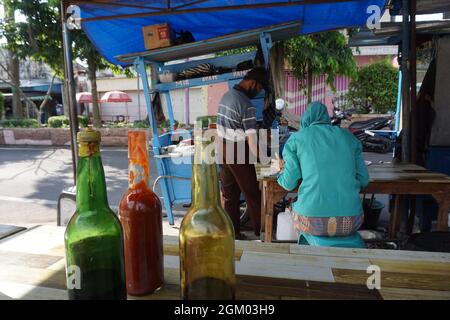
(137, 160)
(91, 186)
(205, 184)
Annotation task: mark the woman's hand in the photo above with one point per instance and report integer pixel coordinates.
(281, 164)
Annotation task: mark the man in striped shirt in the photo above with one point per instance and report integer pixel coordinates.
(236, 126)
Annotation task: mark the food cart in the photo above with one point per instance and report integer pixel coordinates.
(174, 170)
(217, 26)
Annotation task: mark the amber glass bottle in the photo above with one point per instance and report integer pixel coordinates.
(141, 217)
(206, 234)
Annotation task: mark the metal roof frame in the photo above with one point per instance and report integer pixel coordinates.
(227, 42)
(185, 8)
(390, 33)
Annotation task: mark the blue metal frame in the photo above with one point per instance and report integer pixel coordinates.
(393, 134)
(180, 191)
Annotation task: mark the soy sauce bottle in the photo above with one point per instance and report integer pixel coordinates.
(93, 238)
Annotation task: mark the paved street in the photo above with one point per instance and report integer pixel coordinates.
(31, 179)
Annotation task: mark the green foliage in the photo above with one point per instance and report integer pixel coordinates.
(58, 122)
(40, 36)
(207, 120)
(374, 87)
(166, 124)
(63, 122)
(83, 121)
(322, 53)
(141, 124)
(2, 105)
(19, 123)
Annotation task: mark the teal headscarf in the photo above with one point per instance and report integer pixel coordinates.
(316, 113)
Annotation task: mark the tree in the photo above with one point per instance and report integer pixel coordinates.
(374, 87)
(40, 38)
(13, 60)
(86, 51)
(324, 53)
(2, 105)
(20, 93)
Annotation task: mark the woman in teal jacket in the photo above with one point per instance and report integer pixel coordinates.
(328, 162)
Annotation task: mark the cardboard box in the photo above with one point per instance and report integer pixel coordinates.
(157, 36)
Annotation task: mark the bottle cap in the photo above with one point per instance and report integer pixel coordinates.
(89, 135)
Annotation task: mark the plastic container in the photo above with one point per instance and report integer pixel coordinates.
(167, 76)
(371, 214)
(285, 227)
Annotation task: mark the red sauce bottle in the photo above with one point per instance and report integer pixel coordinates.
(141, 217)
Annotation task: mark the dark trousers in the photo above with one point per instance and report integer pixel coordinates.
(237, 178)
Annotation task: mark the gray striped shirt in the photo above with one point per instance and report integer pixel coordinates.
(236, 116)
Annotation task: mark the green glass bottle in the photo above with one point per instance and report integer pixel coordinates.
(93, 238)
(207, 266)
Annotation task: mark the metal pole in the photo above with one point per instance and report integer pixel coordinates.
(413, 66)
(70, 87)
(187, 120)
(139, 95)
(186, 104)
(405, 84)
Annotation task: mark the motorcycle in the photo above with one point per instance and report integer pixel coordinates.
(362, 130)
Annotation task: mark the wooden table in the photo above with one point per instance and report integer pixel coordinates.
(32, 267)
(386, 178)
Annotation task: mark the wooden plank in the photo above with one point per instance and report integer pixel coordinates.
(55, 279)
(11, 290)
(380, 176)
(267, 269)
(417, 267)
(256, 258)
(167, 292)
(27, 260)
(279, 271)
(423, 180)
(263, 288)
(396, 279)
(413, 294)
(400, 255)
(257, 246)
(8, 230)
(42, 240)
(173, 250)
(249, 286)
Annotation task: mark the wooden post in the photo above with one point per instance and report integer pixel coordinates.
(406, 146)
(413, 70)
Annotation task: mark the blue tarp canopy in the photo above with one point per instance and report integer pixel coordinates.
(115, 27)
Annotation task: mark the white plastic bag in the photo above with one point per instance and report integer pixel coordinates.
(285, 227)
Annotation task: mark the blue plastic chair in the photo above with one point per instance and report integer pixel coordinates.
(352, 241)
